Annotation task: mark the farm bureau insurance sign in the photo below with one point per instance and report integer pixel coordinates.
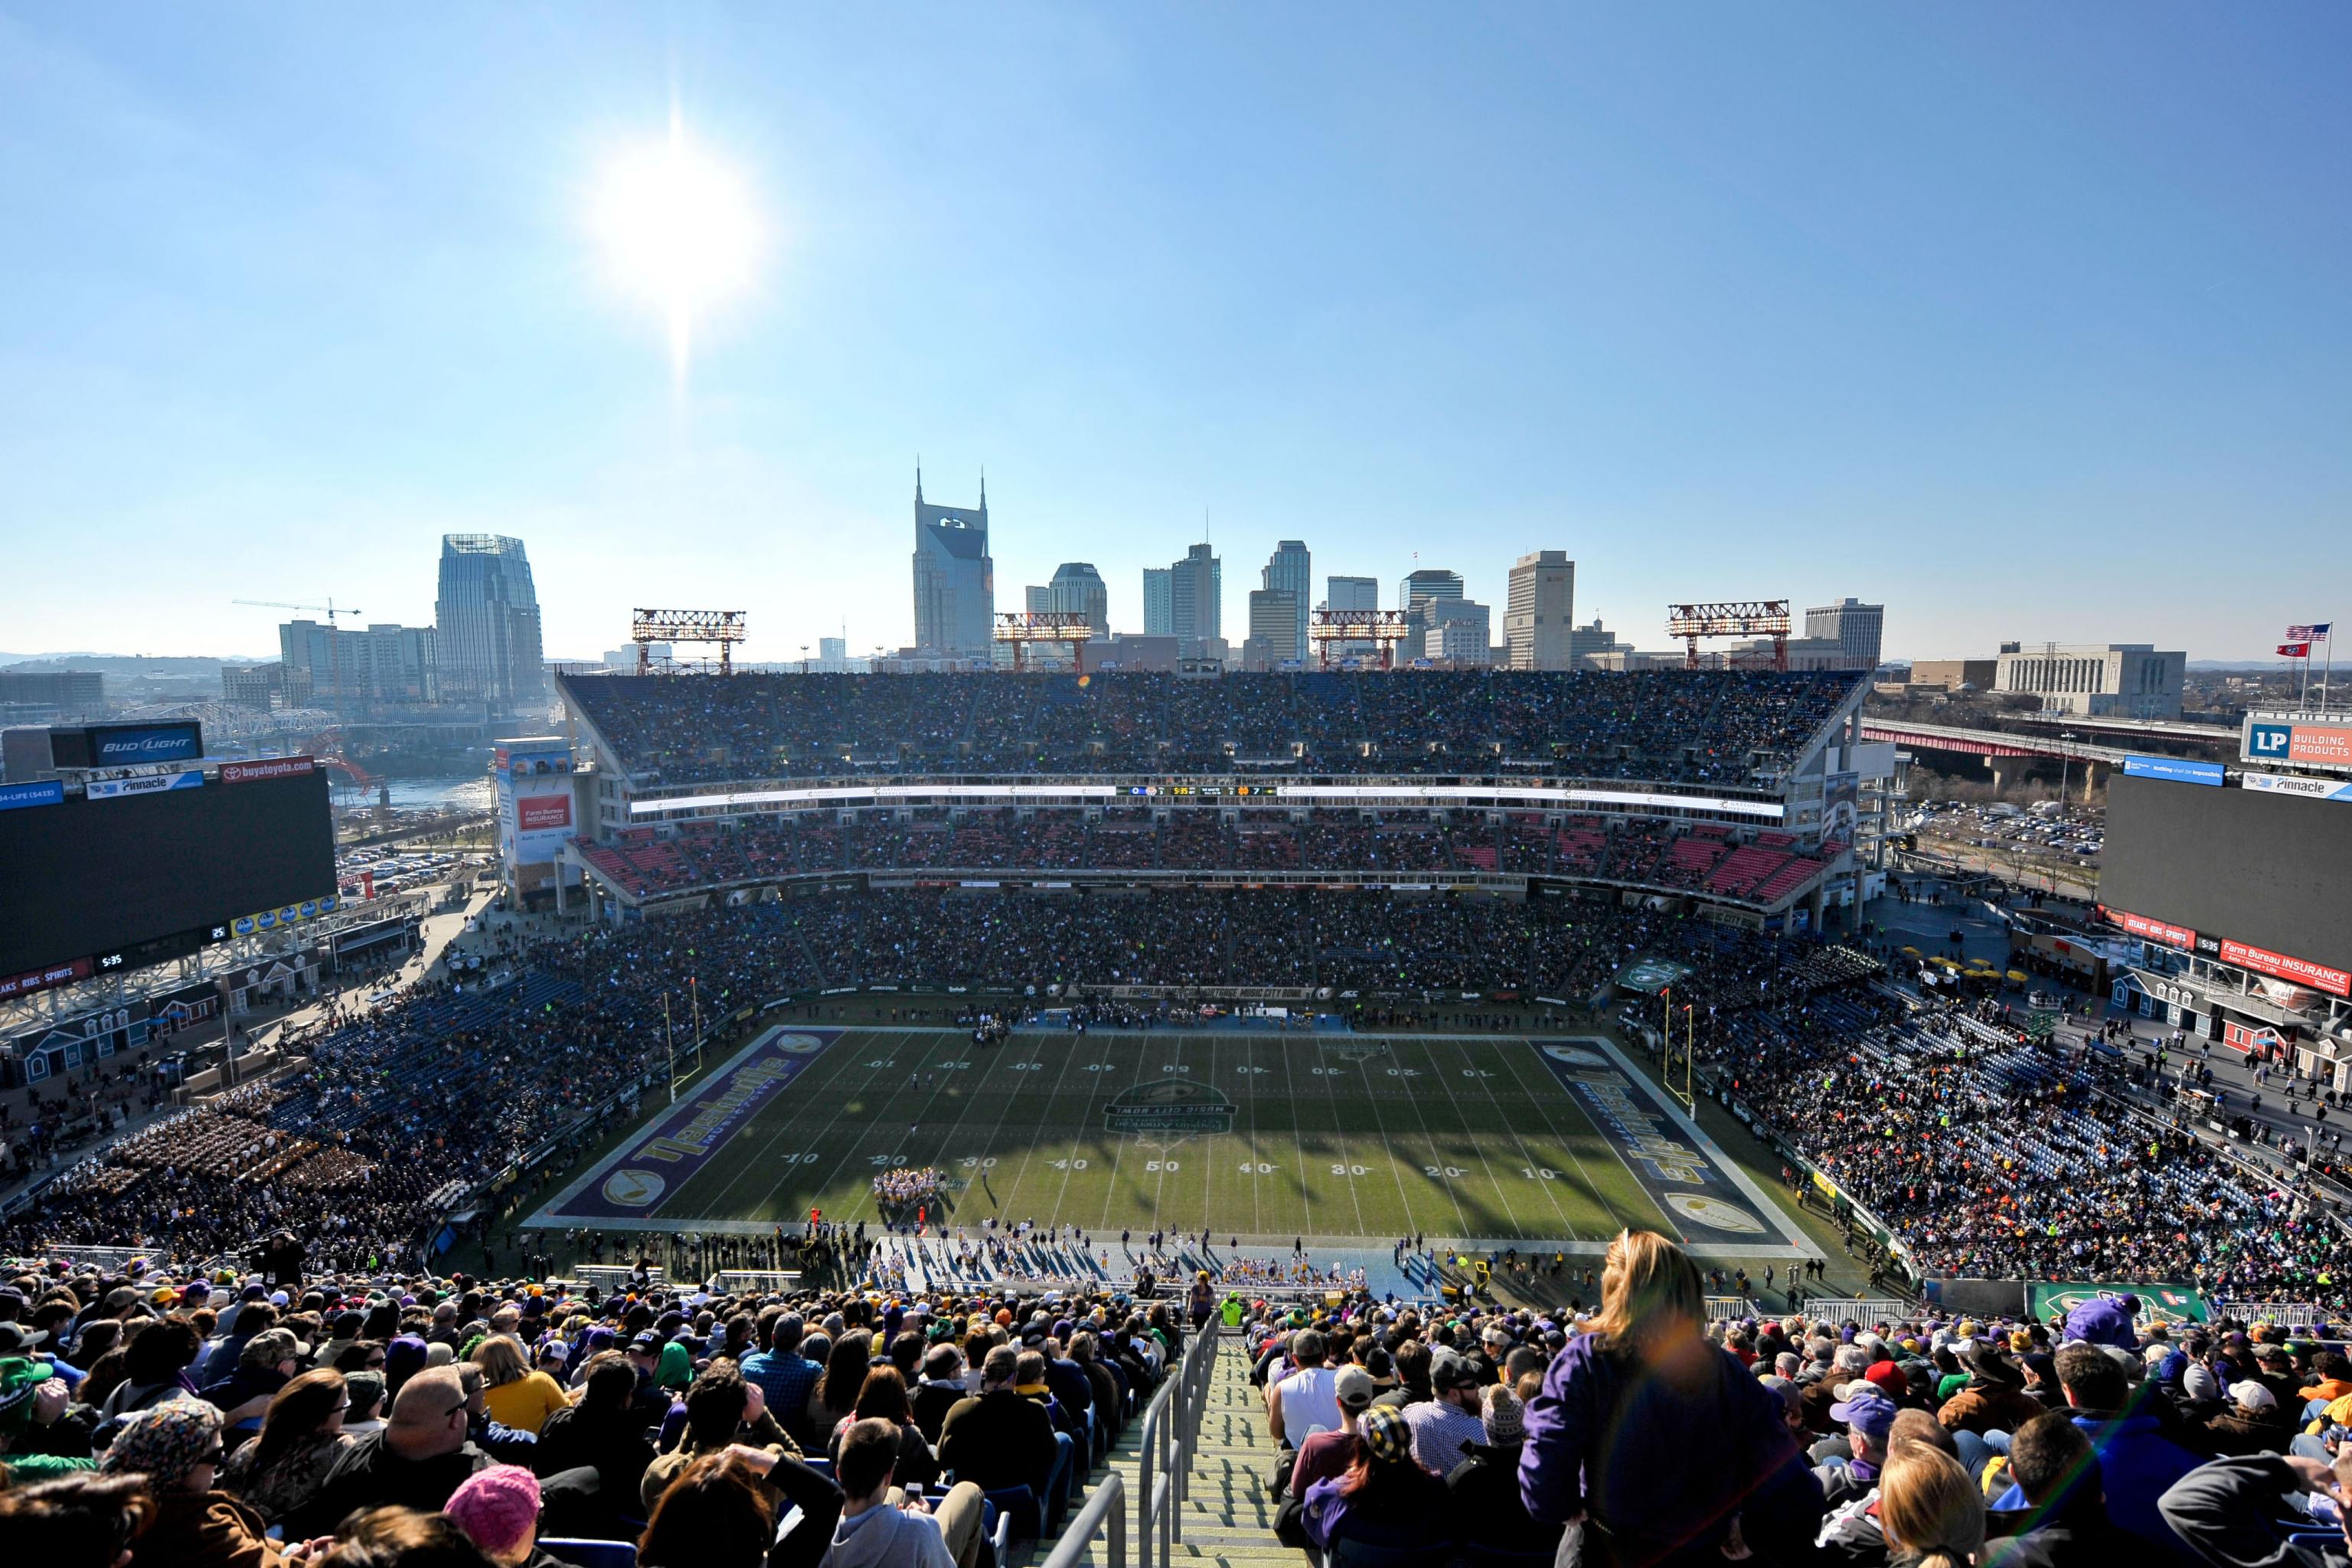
(672, 1150)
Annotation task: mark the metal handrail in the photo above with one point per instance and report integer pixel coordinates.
(1171, 1424)
(1105, 1512)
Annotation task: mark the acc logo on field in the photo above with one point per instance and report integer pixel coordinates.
(1714, 1213)
(1574, 1057)
(798, 1045)
(631, 1188)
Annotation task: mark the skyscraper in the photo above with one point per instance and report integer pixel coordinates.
(1078, 589)
(1289, 570)
(487, 616)
(1857, 629)
(1273, 628)
(1196, 586)
(1540, 613)
(1413, 597)
(1159, 602)
(955, 580)
(1352, 593)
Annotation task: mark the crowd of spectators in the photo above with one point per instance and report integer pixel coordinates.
(1698, 726)
(377, 1418)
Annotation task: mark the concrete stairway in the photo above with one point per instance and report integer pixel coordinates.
(1227, 1518)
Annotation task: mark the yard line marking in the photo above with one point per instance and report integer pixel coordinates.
(716, 1208)
(863, 1195)
(1567, 1141)
(1510, 1210)
(1299, 1143)
(1380, 1122)
(1529, 1154)
(1442, 1166)
(1029, 1144)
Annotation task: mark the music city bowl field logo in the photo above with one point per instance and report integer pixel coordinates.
(1356, 1053)
(632, 1189)
(797, 1045)
(1713, 1213)
(1169, 1105)
(1577, 1056)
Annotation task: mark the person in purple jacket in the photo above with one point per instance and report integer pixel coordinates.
(1655, 1447)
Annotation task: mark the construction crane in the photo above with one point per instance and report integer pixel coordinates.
(334, 649)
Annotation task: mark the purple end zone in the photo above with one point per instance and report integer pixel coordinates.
(672, 1150)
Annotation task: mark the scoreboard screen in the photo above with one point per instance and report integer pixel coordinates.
(126, 880)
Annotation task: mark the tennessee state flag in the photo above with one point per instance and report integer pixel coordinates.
(2294, 649)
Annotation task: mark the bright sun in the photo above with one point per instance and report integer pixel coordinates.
(678, 232)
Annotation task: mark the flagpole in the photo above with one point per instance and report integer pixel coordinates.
(2329, 667)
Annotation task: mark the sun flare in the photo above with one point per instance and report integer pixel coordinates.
(678, 232)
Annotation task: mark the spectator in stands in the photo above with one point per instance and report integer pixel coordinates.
(403, 1538)
(1446, 1427)
(80, 1521)
(604, 1432)
(263, 1367)
(884, 1525)
(365, 1413)
(1609, 1434)
(1993, 1397)
(943, 1387)
(32, 1399)
(1326, 1455)
(844, 1377)
(2249, 1424)
(1001, 1439)
(2066, 1525)
(176, 1446)
(302, 1438)
(1302, 1403)
(1869, 1419)
(1385, 1499)
(155, 1366)
(498, 1509)
(1931, 1511)
(720, 1512)
(2234, 1511)
(884, 1398)
(783, 1375)
(1487, 1510)
(514, 1393)
(2137, 1462)
(715, 1410)
(416, 1461)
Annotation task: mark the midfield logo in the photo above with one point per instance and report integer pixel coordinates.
(1169, 1105)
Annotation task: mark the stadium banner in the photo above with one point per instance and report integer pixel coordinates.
(2157, 1303)
(43, 978)
(2292, 741)
(2310, 789)
(2154, 931)
(120, 745)
(1701, 1194)
(2302, 971)
(673, 1148)
(154, 783)
(2179, 770)
(45, 792)
(268, 768)
(535, 799)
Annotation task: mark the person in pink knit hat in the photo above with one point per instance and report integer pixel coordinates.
(498, 1507)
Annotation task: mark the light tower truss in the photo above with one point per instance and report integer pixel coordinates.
(1731, 618)
(724, 627)
(1329, 628)
(1068, 629)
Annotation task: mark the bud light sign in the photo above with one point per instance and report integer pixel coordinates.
(113, 748)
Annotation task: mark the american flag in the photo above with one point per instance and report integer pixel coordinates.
(2308, 633)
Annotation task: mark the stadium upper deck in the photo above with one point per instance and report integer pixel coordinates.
(1722, 728)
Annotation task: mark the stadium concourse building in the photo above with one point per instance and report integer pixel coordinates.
(2228, 882)
(1749, 798)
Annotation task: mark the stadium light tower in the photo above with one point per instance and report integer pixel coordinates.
(1382, 628)
(1069, 628)
(725, 627)
(1730, 618)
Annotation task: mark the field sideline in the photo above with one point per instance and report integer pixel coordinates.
(1334, 1139)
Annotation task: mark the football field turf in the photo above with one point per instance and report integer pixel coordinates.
(1267, 1136)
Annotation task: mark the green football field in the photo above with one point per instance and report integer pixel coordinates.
(1265, 1136)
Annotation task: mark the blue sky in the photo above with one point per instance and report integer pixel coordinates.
(2028, 320)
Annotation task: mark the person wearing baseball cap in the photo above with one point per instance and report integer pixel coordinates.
(1325, 1455)
(1488, 1512)
(1444, 1426)
(1869, 1419)
(1384, 1497)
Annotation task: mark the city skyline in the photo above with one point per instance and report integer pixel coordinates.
(285, 311)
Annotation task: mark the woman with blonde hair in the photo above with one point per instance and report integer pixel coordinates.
(1933, 1514)
(1610, 1437)
(516, 1394)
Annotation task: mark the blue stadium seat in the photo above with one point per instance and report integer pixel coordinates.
(584, 1553)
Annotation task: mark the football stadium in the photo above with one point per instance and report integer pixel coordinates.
(1361, 1033)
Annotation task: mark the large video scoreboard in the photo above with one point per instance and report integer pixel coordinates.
(105, 881)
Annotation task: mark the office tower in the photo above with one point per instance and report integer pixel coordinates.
(487, 621)
(1289, 570)
(1857, 629)
(1273, 628)
(1413, 597)
(1078, 589)
(833, 650)
(1195, 589)
(1540, 613)
(1352, 593)
(955, 580)
(1036, 598)
(1159, 602)
(1454, 630)
(1594, 642)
